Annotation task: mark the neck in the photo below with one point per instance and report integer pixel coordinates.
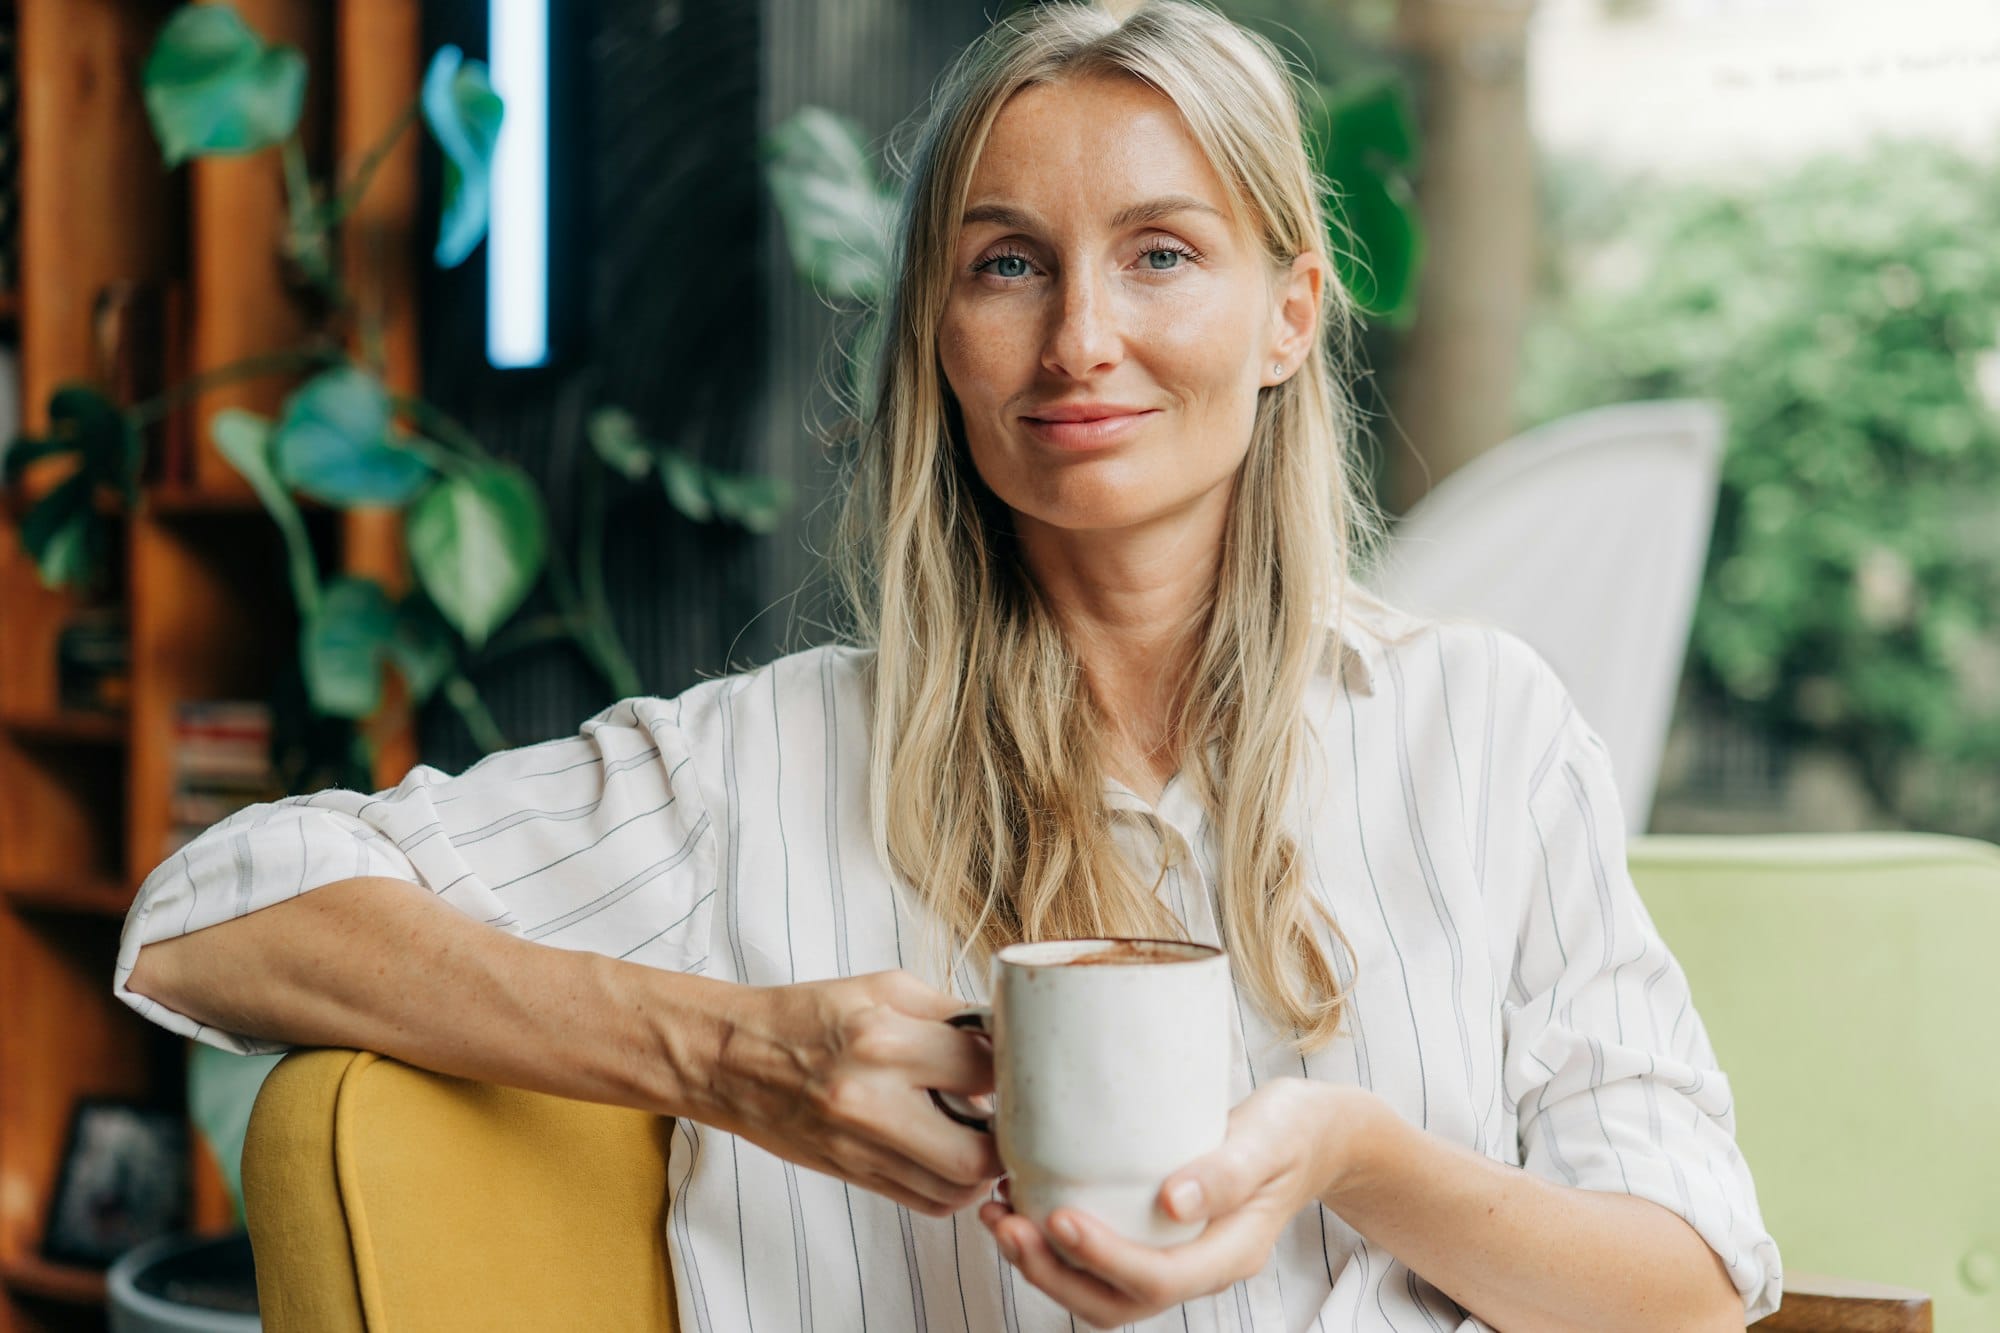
(1132, 603)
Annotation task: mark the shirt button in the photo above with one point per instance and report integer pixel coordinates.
(1980, 1270)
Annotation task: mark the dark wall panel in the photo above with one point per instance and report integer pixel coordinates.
(683, 309)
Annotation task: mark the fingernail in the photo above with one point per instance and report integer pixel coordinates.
(1065, 1230)
(1185, 1199)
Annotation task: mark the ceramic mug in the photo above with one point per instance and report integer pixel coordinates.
(1111, 1069)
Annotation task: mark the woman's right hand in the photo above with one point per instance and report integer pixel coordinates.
(834, 1075)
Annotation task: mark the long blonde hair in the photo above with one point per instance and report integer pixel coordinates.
(986, 756)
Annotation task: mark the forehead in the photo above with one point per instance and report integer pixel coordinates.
(1092, 143)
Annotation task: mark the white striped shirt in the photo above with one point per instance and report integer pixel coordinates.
(1510, 994)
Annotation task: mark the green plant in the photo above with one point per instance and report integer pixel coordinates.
(478, 533)
(1847, 315)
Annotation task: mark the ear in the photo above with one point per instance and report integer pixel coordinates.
(1294, 317)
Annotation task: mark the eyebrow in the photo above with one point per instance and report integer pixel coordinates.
(1151, 210)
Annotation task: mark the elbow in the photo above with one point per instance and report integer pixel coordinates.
(158, 973)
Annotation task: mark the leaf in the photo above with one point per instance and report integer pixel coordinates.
(423, 647)
(214, 86)
(333, 443)
(1380, 269)
(112, 451)
(244, 438)
(26, 449)
(756, 503)
(681, 477)
(838, 221)
(615, 436)
(464, 115)
(341, 648)
(478, 543)
(57, 532)
(1365, 144)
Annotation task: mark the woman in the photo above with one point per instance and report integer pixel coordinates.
(1110, 680)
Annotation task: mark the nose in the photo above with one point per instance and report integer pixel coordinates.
(1084, 337)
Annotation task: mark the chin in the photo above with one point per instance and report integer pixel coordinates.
(1097, 514)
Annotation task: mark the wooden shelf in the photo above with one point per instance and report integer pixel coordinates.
(66, 727)
(52, 1281)
(85, 896)
(196, 565)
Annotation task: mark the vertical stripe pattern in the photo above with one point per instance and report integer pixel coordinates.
(1465, 834)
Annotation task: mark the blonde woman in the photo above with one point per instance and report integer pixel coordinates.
(1110, 679)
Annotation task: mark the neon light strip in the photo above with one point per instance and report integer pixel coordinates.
(517, 246)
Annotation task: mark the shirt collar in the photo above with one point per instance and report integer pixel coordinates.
(1348, 643)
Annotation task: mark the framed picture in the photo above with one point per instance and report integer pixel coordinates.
(123, 1180)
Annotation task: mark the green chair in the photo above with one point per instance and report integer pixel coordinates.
(1851, 986)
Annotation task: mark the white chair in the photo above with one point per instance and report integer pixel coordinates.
(1586, 537)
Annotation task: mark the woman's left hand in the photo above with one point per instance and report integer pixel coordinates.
(1289, 1143)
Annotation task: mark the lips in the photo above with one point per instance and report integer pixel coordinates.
(1087, 426)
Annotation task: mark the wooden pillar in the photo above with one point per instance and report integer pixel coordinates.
(1452, 392)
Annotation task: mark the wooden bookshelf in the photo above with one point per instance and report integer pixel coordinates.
(84, 794)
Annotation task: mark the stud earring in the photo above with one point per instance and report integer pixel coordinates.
(1277, 368)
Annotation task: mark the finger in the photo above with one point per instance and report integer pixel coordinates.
(1153, 1276)
(915, 1128)
(892, 1118)
(905, 992)
(1211, 1186)
(1077, 1291)
(940, 1056)
(940, 1195)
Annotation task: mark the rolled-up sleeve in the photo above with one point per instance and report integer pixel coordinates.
(598, 842)
(1608, 1067)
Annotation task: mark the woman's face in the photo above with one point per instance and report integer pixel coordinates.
(1101, 273)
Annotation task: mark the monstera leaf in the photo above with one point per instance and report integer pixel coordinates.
(214, 86)
(464, 114)
(64, 534)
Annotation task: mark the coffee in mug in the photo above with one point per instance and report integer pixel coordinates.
(1111, 1068)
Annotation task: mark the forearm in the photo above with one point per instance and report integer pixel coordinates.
(383, 965)
(1520, 1252)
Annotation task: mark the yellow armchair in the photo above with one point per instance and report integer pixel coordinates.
(394, 1200)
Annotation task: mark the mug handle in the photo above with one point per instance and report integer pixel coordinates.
(978, 1019)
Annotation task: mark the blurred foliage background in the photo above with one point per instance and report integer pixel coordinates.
(1845, 313)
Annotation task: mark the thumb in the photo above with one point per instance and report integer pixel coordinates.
(1208, 1186)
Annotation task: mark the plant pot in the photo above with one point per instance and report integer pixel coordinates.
(185, 1284)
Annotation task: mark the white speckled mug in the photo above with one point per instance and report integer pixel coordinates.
(1111, 1064)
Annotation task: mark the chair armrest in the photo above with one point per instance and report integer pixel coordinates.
(1815, 1304)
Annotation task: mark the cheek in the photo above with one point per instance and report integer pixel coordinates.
(979, 354)
(1200, 342)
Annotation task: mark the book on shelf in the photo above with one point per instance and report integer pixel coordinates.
(221, 763)
(93, 660)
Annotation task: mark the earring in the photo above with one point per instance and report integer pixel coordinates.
(1278, 368)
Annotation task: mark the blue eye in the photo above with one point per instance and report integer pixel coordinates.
(1153, 257)
(991, 265)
